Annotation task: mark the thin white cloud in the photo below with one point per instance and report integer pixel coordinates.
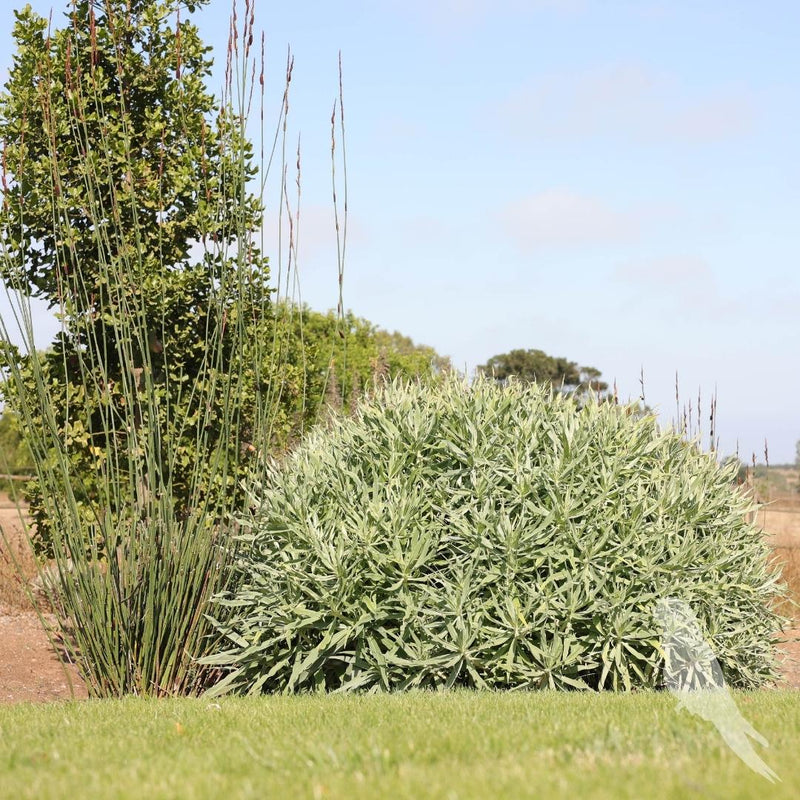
(713, 120)
(563, 218)
(624, 101)
(776, 304)
(683, 284)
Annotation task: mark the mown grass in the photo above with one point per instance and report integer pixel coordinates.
(417, 745)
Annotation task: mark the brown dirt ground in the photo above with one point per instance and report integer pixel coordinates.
(31, 670)
(30, 667)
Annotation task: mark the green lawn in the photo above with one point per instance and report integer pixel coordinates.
(454, 745)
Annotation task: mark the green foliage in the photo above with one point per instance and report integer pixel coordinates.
(126, 207)
(107, 125)
(328, 361)
(15, 457)
(536, 365)
(738, 469)
(116, 168)
(492, 537)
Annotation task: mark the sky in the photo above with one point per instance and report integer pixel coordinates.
(613, 181)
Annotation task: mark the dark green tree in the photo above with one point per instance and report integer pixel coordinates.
(536, 366)
(125, 206)
(107, 124)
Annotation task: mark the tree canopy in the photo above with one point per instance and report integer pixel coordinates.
(327, 362)
(126, 207)
(536, 366)
(113, 150)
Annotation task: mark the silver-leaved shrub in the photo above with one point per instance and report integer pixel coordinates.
(494, 537)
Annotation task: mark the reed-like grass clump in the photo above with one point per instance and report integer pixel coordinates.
(491, 536)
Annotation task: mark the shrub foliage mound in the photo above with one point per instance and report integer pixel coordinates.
(493, 537)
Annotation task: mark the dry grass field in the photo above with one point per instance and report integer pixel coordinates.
(778, 490)
(781, 524)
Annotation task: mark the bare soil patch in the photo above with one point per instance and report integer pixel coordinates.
(30, 668)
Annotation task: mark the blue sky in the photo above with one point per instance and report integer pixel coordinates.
(614, 181)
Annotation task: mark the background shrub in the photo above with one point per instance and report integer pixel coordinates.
(328, 360)
(490, 536)
(16, 460)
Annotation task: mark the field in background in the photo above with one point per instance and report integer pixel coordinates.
(781, 483)
(779, 516)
